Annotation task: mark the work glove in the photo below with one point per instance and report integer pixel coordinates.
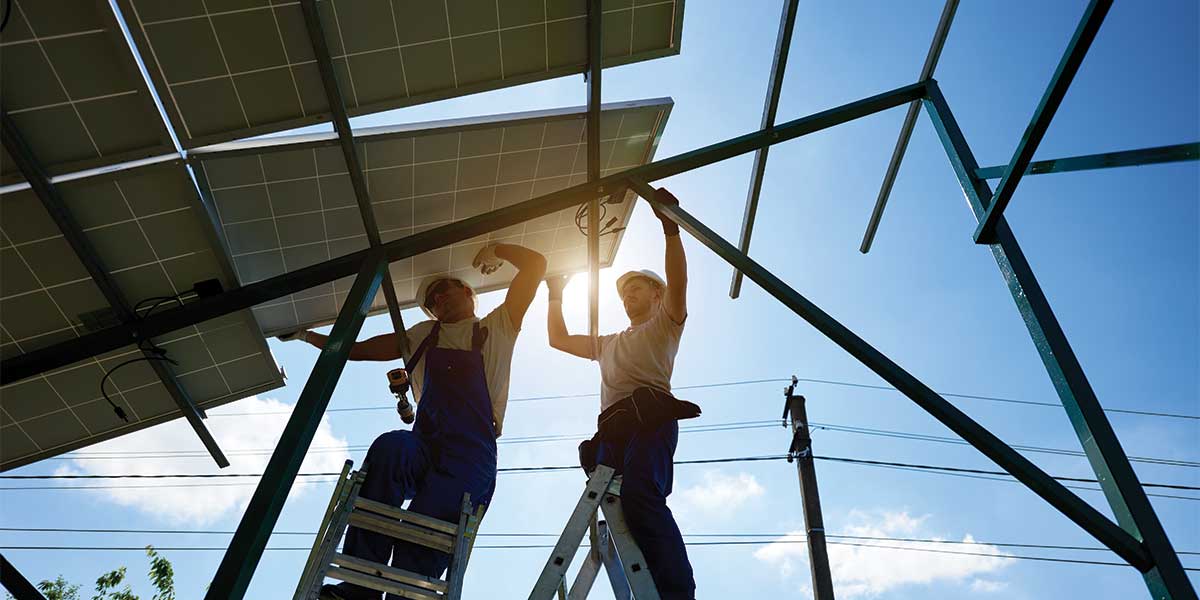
(556, 285)
(665, 197)
(295, 335)
(486, 260)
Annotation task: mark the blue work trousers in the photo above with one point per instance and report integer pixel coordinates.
(645, 459)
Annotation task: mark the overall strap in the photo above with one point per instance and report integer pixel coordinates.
(479, 335)
(430, 340)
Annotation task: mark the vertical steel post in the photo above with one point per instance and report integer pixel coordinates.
(241, 559)
(595, 58)
(783, 43)
(814, 524)
(910, 120)
(1164, 575)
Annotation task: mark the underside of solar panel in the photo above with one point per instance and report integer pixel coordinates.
(101, 93)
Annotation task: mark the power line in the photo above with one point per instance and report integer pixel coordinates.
(1144, 413)
(545, 546)
(768, 457)
(555, 535)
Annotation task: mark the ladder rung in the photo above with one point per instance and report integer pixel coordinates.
(392, 573)
(381, 584)
(406, 515)
(404, 531)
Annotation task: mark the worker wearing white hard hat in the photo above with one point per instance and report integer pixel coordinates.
(638, 424)
(459, 372)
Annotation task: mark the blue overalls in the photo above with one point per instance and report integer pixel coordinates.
(645, 459)
(451, 450)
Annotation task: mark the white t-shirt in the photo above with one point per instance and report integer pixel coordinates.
(641, 356)
(497, 353)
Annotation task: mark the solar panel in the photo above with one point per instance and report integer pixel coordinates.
(154, 236)
(71, 85)
(228, 70)
(287, 203)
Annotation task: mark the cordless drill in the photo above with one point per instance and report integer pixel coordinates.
(398, 383)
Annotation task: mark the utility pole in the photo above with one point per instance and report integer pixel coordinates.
(814, 526)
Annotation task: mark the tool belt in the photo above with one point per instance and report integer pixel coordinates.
(644, 410)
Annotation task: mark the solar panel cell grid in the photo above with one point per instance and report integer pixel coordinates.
(228, 70)
(72, 87)
(148, 230)
(291, 205)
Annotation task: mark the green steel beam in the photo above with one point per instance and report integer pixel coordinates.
(783, 43)
(906, 129)
(1106, 160)
(1089, 25)
(977, 435)
(93, 344)
(245, 549)
(341, 125)
(15, 582)
(1160, 565)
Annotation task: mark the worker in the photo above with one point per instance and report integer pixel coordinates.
(459, 372)
(638, 422)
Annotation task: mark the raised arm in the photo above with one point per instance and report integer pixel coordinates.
(379, 348)
(675, 301)
(530, 265)
(560, 339)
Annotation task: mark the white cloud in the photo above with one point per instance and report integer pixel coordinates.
(720, 494)
(861, 571)
(988, 586)
(235, 436)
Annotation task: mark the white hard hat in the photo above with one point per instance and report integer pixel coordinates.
(423, 292)
(647, 273)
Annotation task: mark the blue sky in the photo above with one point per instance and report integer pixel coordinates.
(1116, 251)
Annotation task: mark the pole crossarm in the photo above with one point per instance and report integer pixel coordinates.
(1089, 25)
(910, 120)
(1163, 572)
(246, 548)
(341, 125)
(1076, 509)
(1104, 160)
(56, 207)
(111, 338)
(783, 43)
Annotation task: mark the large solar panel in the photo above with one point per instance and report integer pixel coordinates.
(229, 69)
(70, 83)
(154, 236)
(287, 203)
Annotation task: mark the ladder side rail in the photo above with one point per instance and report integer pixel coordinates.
(314, 554)
(339, 530)
(590, 567)
(458, 558)
(640, 581)
(568, 542)
(612, 564)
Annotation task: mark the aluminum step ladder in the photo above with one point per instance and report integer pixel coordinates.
(612, 546)
(347, 508)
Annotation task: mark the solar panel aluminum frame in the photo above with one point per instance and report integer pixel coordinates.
(113, 30)
(190, 142)
(330, 139)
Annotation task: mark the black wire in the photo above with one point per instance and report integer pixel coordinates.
(791, 537)
(117, 409)
(7, 14)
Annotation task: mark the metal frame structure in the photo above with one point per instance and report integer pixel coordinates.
(1137, 536)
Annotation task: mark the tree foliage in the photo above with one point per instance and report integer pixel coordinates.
(114, 585)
